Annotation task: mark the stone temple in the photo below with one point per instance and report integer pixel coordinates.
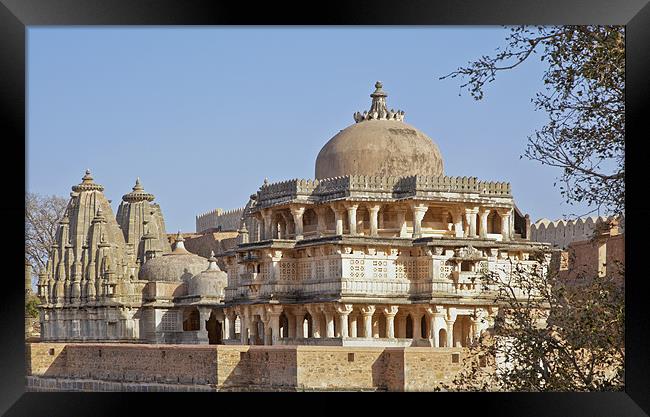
(380, 249)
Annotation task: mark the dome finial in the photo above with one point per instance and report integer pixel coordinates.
(87, 184)
(212, 266)
(138, 193)
(180, 245)
(378, 109)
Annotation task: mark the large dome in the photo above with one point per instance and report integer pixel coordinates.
(179, 265)
(209, 283)
(379, 143)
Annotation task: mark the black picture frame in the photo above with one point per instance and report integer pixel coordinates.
(17, 15)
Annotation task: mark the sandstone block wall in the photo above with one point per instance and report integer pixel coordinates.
(131, 367)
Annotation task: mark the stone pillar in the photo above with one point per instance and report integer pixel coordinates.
(417, 325)
(471, 216)
(466, 225)
(299, 322)
(321, 227)
(483, 227)
(338, 220)
(458, 223)
(401, 221)
(297, 213)
(390, 313)
(243, 328)
(401, 331)
(434, 314)
(418, 214)
(329, 323)
(505, 223)
(374, 211)
(231, 329)
(344, 311)
(314, 312)
(252, 330)
(268, 226)
(291, 324)
(352, 218)
(450, 332)
(204, 315)
(225, 329)
(275, 328)
(353, 325)
(367, 312)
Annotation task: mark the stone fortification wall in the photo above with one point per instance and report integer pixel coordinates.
(132, 367)
(219, 219)
(586, 259)
(204, 243)
(561, 233)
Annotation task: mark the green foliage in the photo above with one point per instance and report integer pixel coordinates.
(584, 99)
(31, 306)
(551, 334)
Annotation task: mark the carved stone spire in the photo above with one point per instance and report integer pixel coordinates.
(378, 109)
(138, 194)
(87, 184)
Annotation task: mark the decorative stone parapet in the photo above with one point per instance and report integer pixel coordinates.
(319, 191)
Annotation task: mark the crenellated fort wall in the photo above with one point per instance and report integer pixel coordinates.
(139, 367)
(561, 233)
(219, 219)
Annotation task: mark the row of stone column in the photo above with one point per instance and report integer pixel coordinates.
(347, 322)
(59, 327)
(468, 228)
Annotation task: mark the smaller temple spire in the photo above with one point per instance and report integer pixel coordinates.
(87, 184)
(99, 215)
(378, 108)
(138, 193)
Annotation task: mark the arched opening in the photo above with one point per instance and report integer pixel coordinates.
(308, 326)
(442, 338)
(237, 327)
(330, 220)
(363, 220)
(493, 223)
(191, 319)
(462, 328)
(214, 330)
(284, 326)
(409, 327)
(309, 221)
(423, 326)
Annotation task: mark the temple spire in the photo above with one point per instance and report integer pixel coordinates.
(138, 194)
(87, 184)
(378, 108)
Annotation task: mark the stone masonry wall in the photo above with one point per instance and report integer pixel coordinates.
(131, 367)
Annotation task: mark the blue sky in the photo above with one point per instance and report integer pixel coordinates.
(202, 115)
